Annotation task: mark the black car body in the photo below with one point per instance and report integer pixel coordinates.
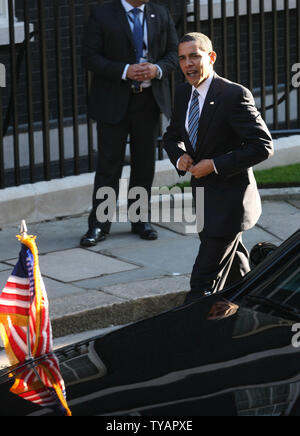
(231, 354)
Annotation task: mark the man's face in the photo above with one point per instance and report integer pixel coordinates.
(195, 63)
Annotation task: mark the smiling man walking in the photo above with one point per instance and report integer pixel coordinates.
(224, 136)
(130, 46)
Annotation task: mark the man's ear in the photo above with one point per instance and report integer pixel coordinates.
(213, 57)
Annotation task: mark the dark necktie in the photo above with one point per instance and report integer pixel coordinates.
(194, 116)
(138, 37)
(138, 33)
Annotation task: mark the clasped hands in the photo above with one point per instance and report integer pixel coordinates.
(201, 169)
(142, 72)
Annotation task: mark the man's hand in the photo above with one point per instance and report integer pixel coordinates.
(142, 72)
(185, 163)
(133, 72)
(147, 71)
(203, 168)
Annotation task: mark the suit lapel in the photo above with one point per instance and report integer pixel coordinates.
(151, 21)
(210, 106)
(121, 16)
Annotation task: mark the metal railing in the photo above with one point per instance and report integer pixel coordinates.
(259, 42)
(44, 129)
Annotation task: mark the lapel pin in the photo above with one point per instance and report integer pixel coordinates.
(212, 102)
(152, 16)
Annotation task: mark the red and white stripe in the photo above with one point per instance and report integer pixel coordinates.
(15, 298)
(45, 337)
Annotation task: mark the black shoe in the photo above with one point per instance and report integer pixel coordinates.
(145, 231)
(92, 237)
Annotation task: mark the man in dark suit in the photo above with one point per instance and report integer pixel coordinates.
(217, 134)
(130, 46)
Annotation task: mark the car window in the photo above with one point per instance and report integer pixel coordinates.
(282, 289)
(286, 287)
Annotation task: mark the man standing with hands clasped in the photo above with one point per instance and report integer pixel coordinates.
(130, 46)
(223, 134)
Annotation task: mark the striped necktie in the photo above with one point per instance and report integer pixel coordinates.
(138, 33)
(138, 37)
(194, 116)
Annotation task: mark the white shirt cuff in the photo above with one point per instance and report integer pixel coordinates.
(124, 76)
(216, 171)
(160, 73)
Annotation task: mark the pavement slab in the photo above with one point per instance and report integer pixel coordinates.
(258, 234)
(57, 289)
(280, 219)
(147, 288)
(174, 256)
(9, 245)
(4, 267)
(4, 275)
(295, 203)
(125, 277)
(79, 264)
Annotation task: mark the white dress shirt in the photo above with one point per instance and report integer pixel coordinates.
(129, 8)
(202, 90)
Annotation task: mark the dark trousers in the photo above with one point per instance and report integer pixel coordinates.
(142, 124)
(220, 262)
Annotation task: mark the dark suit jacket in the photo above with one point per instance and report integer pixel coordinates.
(232, 132)
(108, 47)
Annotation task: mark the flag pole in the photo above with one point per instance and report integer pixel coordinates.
(23, 229)
(24, 233)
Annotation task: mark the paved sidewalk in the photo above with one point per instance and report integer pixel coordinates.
(124, 278)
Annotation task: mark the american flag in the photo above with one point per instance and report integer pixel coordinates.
(26, 332)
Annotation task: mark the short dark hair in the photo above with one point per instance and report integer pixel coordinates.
(202, 40)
